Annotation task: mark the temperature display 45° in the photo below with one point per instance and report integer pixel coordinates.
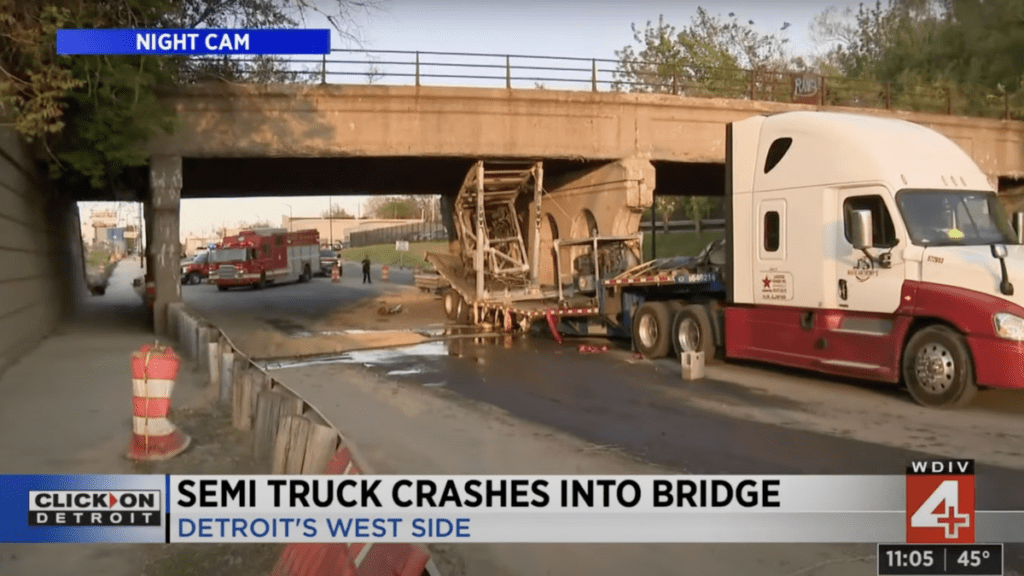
(939, 559)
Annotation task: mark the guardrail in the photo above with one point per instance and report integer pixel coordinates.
(683, 225)
(419, 68)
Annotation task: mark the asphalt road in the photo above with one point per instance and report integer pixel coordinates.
(741, 419)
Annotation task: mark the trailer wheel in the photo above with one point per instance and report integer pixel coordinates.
(652, 330)
(937, 368)
(462, 311)
(451, 303)
(691, 331)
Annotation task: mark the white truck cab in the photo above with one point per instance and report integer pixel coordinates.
(874, 248)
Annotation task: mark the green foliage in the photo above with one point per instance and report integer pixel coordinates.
(95, 114)
(710, 57)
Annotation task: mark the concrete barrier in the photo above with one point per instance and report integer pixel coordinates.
(289, 436)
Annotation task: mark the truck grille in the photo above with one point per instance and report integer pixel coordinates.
(226, 272)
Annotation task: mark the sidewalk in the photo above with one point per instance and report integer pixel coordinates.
(65, 408)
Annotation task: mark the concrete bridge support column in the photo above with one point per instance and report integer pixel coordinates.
(165, 181)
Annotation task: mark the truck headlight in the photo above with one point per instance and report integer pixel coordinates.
(1009, 326)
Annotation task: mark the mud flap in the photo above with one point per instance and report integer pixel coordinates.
(553, 325)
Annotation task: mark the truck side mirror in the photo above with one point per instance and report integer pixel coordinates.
(1018, 226)
(861, 230)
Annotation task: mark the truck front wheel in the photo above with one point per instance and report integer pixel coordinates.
(937, 368)
(691, 332)
(652, 327)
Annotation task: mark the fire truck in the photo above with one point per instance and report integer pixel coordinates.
(265, 256)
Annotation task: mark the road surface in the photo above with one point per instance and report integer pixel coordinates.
(741, 419)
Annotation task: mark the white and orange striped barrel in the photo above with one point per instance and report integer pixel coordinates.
(154, 437)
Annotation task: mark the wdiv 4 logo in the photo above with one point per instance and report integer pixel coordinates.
(940, 502)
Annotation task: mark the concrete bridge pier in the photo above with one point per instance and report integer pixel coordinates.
(165, 180)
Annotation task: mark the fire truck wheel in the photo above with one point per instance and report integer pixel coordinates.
(652, 327)
(691, 332)
(938, 369)
(222, 288)
(192, 278)
(451, 303)
(307, 274)
(262, 283)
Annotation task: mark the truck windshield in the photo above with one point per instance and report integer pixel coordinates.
(229, 255)
(952, 218)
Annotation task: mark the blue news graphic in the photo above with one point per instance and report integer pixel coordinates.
(82, 508)
(133, 42)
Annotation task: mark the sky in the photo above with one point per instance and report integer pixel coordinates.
(585, 29)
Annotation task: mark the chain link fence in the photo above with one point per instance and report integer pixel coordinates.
(418, 232)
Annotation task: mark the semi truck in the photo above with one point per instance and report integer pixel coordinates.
(263, 256)
(855, 245)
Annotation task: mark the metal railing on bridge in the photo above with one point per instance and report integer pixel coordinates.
(518, 71)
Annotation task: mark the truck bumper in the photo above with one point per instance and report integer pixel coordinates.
(234, 281)
(998, 363)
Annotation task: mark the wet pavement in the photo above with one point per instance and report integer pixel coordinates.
(622, 405)
(643, 408)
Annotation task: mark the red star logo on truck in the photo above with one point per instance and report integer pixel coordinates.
(767, 282)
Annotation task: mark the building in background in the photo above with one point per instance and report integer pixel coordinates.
(339, 230)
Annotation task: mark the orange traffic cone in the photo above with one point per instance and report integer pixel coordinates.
(154, 437)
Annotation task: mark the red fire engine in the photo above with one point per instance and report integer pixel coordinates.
(263, 256)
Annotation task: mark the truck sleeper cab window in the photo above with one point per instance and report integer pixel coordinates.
(772, 231)
(954, 218)
(883, 231)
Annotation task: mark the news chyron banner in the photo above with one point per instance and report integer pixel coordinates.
(911, 509)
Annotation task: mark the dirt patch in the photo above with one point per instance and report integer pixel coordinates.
(216, 448)
(418, 310)
(368, 323)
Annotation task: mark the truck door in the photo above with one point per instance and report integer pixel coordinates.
(858, 332)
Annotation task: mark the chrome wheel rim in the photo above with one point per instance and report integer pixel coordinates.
(935, 368)
(688, 335)
(648, 330)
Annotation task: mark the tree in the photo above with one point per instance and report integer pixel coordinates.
(94, 114)
(710, 56)
(404, 207)
(697, 208)
(666, 205)
(337, 211)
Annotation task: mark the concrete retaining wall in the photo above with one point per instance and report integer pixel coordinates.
(289, 435)
(41, 269)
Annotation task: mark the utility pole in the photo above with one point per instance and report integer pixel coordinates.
(330, 217)
(291, 226)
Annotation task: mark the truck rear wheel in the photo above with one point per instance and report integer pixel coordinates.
(691, 331)
(222, 287)
(262, 283)
(938, 369)
(307, 274)
(652, 327)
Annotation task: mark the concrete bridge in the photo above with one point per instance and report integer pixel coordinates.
(322, 137)
(242, 140)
